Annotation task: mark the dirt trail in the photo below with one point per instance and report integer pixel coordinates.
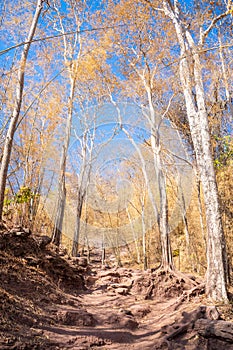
(50, 301)
(121, 319)
(107, 311)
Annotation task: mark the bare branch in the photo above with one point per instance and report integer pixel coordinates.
(204, 34)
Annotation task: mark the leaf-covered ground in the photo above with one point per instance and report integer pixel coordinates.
(49, 301)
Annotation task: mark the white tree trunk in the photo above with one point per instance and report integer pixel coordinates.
(72, 65)
(166, 256)
(83, 183)
(61, 197)
(166, 252)
(198, 122)
(17, 107)
(134, 237)
(144, 249)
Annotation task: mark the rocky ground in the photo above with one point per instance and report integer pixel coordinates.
(49, 301)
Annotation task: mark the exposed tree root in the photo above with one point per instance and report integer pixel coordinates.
(204, 320)
(187, 294)
(214, 328)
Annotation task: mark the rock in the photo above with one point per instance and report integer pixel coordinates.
(129, 323)
(109, 280)
(42, 241)
(80, 261)
(62, 251)
(122, 285)
(109, 273)
(77, 318)
(140, 285)
(20, 231)
(126, 312)
(123, 272)
(122, 291)
(91, 280)
(122, 321)
(140, 310)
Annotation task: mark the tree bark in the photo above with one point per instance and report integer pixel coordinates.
(17, 107)
(138, 259)
(83, 183)
(144, 248)
(61, 198)
(191, 79)
(72, 65)
(78, 223)
(162, 215)
(166, 256)
(166, 252)
(215, 328)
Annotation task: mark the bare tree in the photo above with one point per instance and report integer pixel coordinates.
(87, 145)
(192, 81)
(71, 60)
(17, 105)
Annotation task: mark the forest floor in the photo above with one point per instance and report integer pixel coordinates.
(50, 301)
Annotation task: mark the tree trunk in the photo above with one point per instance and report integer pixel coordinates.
(60, 209)
(198, 122)
(155, 122)
(61, 198)
(138, 259)
(166, 258)
(103, 251)
(83, 183)
(144, 249)
(72, 65)
(18, 102)
(77, 226)
(162, 216)
(166, 253)
(201, 217)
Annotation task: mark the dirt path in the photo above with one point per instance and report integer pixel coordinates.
(113, 318)
(50, 301)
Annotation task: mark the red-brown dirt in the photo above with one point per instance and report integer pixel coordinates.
(50, 301)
